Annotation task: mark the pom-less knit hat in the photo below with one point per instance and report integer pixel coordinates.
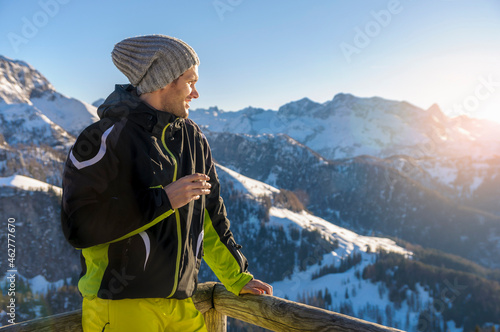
(152, 62)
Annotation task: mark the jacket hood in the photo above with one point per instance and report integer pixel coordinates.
(125, 103)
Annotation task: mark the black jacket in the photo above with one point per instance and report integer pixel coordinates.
(134, 245)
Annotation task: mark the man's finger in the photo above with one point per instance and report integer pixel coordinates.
(200, 191)
(266, 288)
(198, 186)
(269, 289)
(196, 177)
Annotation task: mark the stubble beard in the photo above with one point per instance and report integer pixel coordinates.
(177, 110)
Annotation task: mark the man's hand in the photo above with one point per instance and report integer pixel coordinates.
(257, 287)
(186, 189)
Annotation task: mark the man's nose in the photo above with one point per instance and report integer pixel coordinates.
(194, 93)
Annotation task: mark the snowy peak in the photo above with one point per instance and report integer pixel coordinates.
(436, 113)
(347, 104)
(19, 81)
(342, 99)
(298, 108)
(25, 88)
(435, 110)
(69, 113)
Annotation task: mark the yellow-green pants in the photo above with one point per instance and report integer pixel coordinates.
(141, 315)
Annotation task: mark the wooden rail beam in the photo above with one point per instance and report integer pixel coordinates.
(277, 314)
(66, 322)
(215, 302)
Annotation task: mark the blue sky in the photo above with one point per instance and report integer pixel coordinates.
(267, 53)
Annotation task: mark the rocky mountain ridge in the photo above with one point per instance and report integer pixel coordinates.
(349, 126)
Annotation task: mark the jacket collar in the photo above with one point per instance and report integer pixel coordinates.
(124, 102)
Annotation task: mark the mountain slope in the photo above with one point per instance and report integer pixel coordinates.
(41, 247)
(311, 260)
(25, 124)
(364, 194)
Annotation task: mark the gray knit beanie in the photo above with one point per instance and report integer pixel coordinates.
(152, 62)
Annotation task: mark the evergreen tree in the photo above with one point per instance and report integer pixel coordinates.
(328, 298)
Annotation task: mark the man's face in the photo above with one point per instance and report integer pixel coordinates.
(176, 96)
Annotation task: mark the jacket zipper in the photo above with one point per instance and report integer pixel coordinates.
(177, 217)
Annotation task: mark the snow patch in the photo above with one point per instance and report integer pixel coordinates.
(248, 185)
(348, 240)
(27, 183)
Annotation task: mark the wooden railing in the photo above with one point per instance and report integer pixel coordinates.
(216, 303)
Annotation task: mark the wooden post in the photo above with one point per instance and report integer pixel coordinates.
(215, 321)
(202, 298)
(203, 301)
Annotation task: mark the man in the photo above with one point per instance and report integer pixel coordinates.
(142, 199)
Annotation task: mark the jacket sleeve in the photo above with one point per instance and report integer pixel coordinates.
(100, 204)
(222, 254)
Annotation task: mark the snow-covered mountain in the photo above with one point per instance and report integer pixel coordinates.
(27, 125)
(37, 124)
(30, 105)
(348, 126)
(458, 157)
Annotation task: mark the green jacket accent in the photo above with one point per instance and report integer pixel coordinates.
(224, 259)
